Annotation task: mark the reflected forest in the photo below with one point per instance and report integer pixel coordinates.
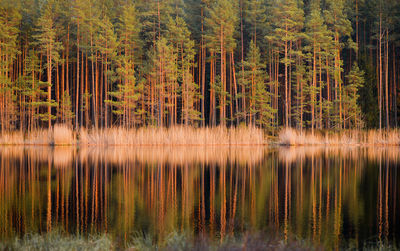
(334, 197)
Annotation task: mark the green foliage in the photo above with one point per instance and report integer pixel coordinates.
(66, 109)
(221, 21)
(138, 62)
(35, 90)
(259, 108)
(10, 18)
(256, 18)
(47, 36)
(355, 80)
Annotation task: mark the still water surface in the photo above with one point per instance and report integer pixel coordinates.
(333, 197)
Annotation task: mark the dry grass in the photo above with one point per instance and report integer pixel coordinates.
(147, 136)
(38, 137)
(173, 136)
(58, 135)
(291, 137)
(63, 135)
(12, 138)
(190, 136)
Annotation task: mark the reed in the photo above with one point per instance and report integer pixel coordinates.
(292, 137)
(190, 136)
(63, 135)
(58, 135)
(173, 136)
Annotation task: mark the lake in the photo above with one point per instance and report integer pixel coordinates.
(332, 197)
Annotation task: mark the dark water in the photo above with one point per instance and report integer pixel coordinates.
(330, 196)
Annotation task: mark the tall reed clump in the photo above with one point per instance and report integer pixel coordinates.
(12, 138)
(35, 137)
(177, 135)
(292, 137)
(59, 135)
(63, 135)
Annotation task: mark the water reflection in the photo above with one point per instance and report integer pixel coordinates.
(332, 196)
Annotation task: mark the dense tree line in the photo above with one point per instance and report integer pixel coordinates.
(317, 64)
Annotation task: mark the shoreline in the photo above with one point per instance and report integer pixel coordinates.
(61, 135)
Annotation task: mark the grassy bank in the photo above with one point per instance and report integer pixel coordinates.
(174, 241)
(208, 136)
(56, 241)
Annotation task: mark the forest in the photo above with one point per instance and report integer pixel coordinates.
(304, 64)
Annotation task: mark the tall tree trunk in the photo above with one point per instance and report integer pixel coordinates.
(320, 89)
(314, 80)
(328, 85)
(212, 91)
(380, 71)
(242, 59)
(82, 83)
(357, 39)
(49, 68)
(387, 78)
(394, 86)
(235, 87)
(67, 71)
(106, 93)
(77, 79)
(286, 81)
(203, 69)
(222, 100)
(94, 94)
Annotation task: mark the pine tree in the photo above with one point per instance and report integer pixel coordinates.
(355, 80)
(287, 24)
(165, 60)
(129, 44)
(257, 89)
(338, 23)
(318, 37)
(9, 22)
(255, 17)
(221, 21)
(33, 88)
(50, 47)
(65, 31)
(179, 37)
